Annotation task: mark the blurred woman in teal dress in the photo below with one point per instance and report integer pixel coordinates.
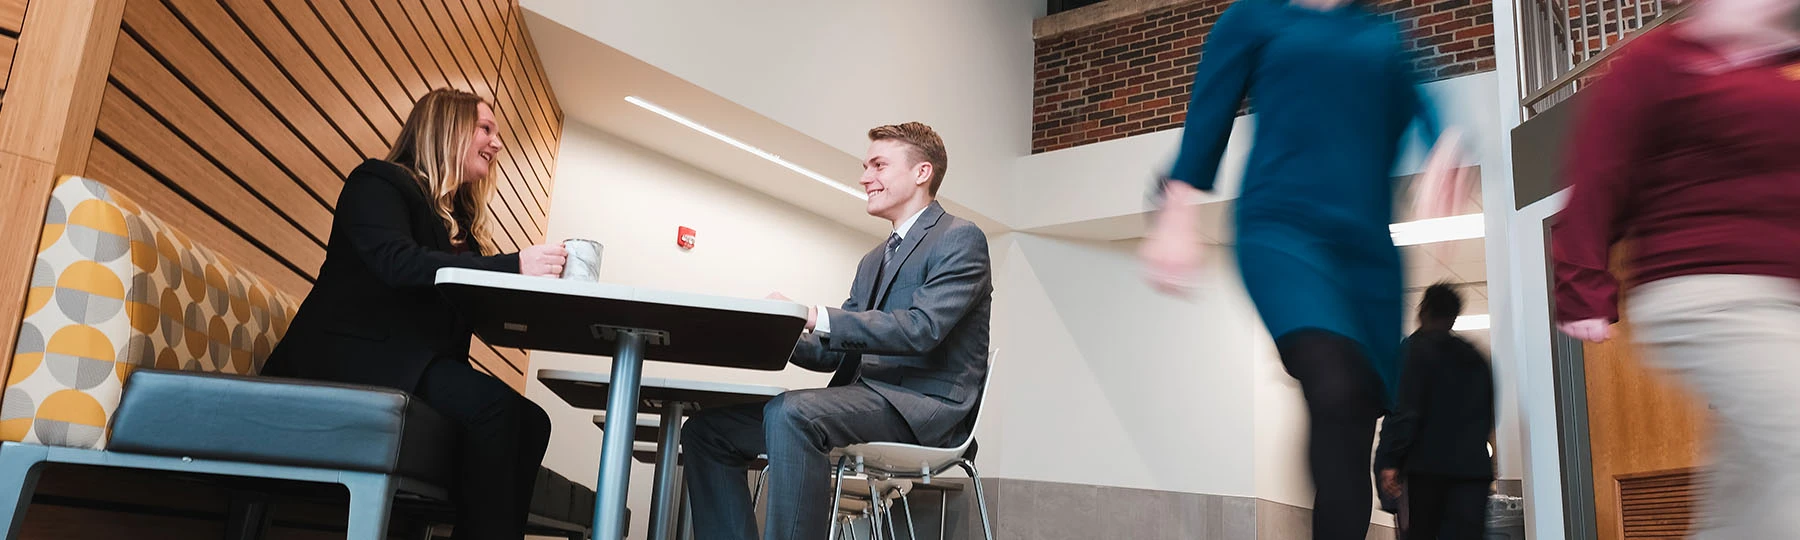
(1334, 93)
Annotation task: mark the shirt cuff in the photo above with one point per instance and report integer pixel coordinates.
(823, 324)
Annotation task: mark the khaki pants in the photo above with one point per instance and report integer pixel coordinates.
(1735, 339)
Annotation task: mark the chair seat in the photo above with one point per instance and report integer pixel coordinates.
(282, 422)
(899, 458)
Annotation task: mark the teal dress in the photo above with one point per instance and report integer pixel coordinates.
(1334, 94)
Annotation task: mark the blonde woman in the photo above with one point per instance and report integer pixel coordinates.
(373, 317)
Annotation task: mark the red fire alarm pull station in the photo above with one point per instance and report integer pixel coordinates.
(684, 237)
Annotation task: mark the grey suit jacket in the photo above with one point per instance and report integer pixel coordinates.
(918, 332)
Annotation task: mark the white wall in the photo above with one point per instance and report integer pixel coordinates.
(1104, 382)
(833, 69)
(632, 200)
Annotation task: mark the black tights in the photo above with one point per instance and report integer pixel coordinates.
(1343, 397)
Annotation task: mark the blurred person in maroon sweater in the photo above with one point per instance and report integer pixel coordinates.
(1689, 151)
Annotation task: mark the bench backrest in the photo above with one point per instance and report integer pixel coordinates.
(114, 289)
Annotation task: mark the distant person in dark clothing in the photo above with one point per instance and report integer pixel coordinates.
(1435, 444)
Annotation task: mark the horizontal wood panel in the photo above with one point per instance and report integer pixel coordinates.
(237, 120)
(115, 170)
(12, 16)
(7, 45)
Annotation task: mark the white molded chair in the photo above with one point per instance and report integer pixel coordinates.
(897, 461)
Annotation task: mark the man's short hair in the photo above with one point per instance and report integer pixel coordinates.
(925, 144)
(1441, 303)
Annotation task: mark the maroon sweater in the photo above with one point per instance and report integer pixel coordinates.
(1695, 162)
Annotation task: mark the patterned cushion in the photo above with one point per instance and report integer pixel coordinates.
(114, 289)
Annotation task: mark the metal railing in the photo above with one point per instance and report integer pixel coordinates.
(1564, 41)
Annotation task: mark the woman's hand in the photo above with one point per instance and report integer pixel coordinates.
(1589, 330)
(544, 260)
(1171, 252)
(1444, 187)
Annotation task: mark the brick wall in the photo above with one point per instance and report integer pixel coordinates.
(1132, 76)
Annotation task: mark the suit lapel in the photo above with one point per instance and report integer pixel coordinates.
(914, 237)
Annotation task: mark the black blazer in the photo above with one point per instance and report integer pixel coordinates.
(1446, 410)
(373, 316)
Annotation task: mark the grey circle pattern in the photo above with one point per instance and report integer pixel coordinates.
(143, 290)
(96, 188)
(171, 328)
(17, 404)
(218, 352)
(77, 372)
(87, 308)
(190, 265)
(42, 274)
(56, 214)
(140, 230)
(97, 245)
(140, 351)
(31, 340)
(56, 433)
(170, 268)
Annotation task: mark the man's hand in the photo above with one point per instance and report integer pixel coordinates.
(1390, 482)
(812, 312)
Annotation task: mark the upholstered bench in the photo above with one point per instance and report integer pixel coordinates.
(139, 349)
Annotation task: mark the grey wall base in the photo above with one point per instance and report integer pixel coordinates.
(1032, 510)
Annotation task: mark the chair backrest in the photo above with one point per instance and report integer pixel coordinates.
(114, 289)
(980, 402)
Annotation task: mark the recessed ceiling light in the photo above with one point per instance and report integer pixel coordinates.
(1426, 231)
(741, 145)
(1471, 322)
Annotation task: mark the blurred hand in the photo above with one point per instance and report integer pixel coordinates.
(1444, 187)
(1390, 482)
(1171, 252)
(1589, 330)
(812, 312)
(543, 260)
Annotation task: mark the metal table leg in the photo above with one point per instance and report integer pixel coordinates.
(615, 443)
(664, 503)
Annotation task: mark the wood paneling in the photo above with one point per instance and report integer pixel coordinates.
(237, 120)
(12, 16)
(1640, 421)
(46, 127)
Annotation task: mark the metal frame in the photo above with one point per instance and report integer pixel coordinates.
(1577, 461)
(1564, 42)
(925, 476)
(371, 494)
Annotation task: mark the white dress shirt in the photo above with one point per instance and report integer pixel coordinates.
(823, 325)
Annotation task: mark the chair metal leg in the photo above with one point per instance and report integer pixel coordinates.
(837, 497)
(762, 480)
(888, 511)
(912, 531)
(987, 530)
(371, 501)
(19, 468)
(875, 510)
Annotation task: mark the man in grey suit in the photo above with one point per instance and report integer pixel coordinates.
(909, 349)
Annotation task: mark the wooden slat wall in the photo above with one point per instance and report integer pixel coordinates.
(12, 18)
(237, 120)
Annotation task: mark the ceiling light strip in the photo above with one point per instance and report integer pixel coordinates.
(1427, 231)
(727, 139)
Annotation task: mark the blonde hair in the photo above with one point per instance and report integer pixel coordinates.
(431, 145)
(925, 143)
